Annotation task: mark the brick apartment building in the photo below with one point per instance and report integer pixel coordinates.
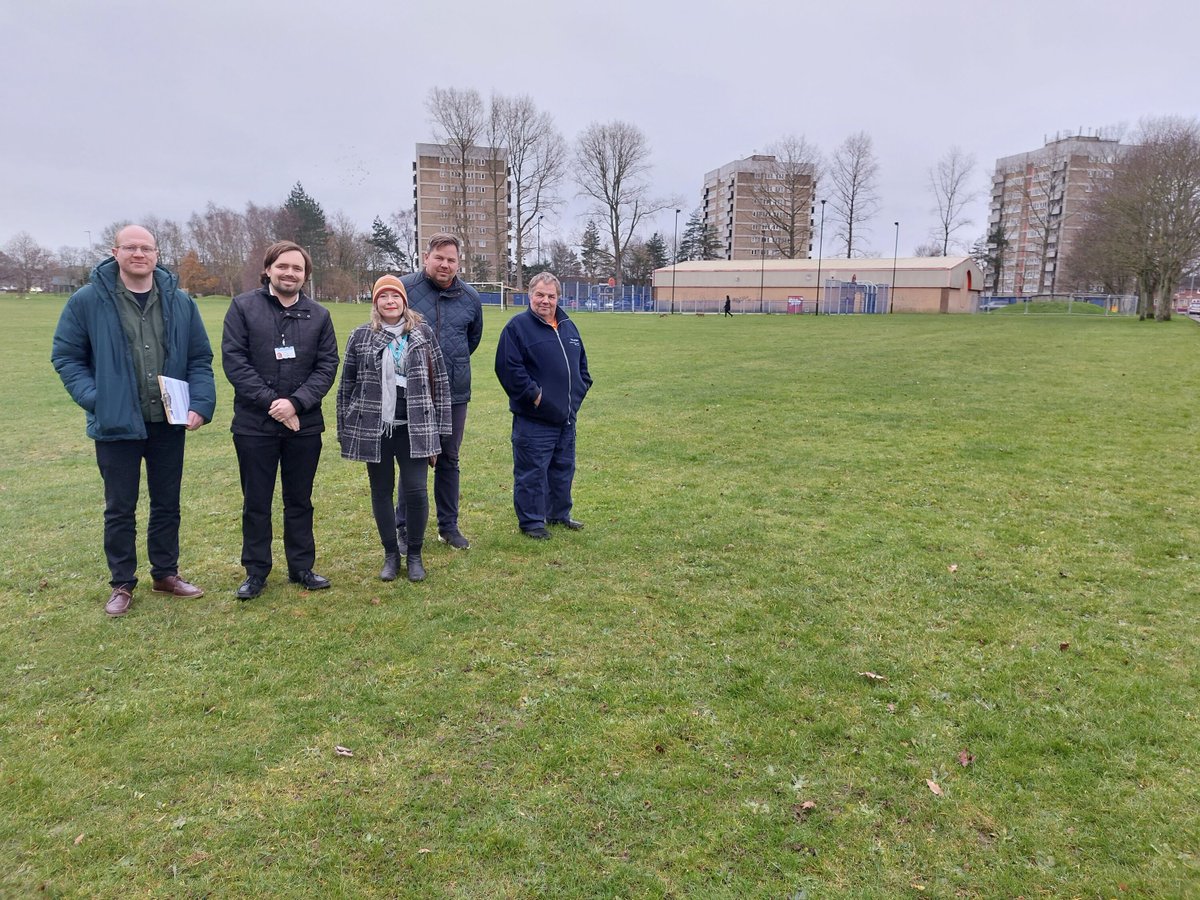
(1039, 199)
(734, 213)
(469, 201)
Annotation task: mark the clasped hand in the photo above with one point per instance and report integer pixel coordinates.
(284, 413)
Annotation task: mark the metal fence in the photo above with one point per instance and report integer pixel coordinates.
(1110, 304)
(576, 295)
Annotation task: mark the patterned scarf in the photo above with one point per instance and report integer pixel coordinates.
(391, 375)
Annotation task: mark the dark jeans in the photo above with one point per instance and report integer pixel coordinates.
(543, 469)
(414, 480)
(120, 465)
(294, 459)
(445, 476)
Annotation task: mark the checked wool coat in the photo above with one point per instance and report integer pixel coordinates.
(360, 394)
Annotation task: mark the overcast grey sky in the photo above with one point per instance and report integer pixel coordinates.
(116, 110)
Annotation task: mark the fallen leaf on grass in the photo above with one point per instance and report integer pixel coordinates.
(965, 757)
(953, 567)
(871, 676)
(343, 751)
(79, 840)
(424, 850)
(1065, 645)
(375, 601)
(934, 786)
(891, 707)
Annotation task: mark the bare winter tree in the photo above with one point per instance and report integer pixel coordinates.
(611, 164)
(1150, 211)
(853, 176)
(171, 238)
(219, 235)
(404, 222)
(537, 163)
(458, 121)
(76, 263)
(349, 256)
(28, 261)
(950, 182)
(563, 260)
(783, 196)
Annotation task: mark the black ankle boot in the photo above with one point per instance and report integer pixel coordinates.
(416, 570)
(391, 567)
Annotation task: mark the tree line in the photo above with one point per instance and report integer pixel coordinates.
(219, 249)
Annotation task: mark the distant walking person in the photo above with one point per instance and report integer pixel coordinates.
(393, 409)
(280, 354)
(117, 334)
(542, 366)
(454, 312)
(727, 304)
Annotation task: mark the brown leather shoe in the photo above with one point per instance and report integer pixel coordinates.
(177, 587)
(119, 602)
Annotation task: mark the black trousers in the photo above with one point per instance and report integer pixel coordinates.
(294, 458)
(414, 490)
(120, 465)
(445, 476)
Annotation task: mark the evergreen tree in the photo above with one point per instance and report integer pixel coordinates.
(656, 248)
(387, 245)
(303, 221)
(593, 258)
(699, 239)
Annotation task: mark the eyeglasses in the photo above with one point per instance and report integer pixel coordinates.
(137, 248)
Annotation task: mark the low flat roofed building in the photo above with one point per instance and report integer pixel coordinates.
(925, 284)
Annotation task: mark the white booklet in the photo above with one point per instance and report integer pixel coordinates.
(176, 398)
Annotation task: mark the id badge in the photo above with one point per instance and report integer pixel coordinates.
(285, 352)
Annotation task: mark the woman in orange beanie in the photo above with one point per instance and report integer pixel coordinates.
(393, 406)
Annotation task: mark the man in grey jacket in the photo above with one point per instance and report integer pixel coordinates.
(454, 312)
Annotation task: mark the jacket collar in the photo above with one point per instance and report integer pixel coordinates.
(560, 315)
(106, 274)
(453, 290)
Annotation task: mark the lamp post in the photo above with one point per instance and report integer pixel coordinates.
(895, 253)
(674, 261)
(820, 254)
(762, 271)
(89, 234)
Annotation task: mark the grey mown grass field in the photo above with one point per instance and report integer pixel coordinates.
(997, 514)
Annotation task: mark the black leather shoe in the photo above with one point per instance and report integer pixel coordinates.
(416, 569)
(391, 567)
(309, 580)
(251, 587)
(538, 534)
(573, 524)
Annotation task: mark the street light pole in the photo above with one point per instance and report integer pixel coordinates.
(762, 271)
(820, 254)
(895, 253)
(674, 261)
